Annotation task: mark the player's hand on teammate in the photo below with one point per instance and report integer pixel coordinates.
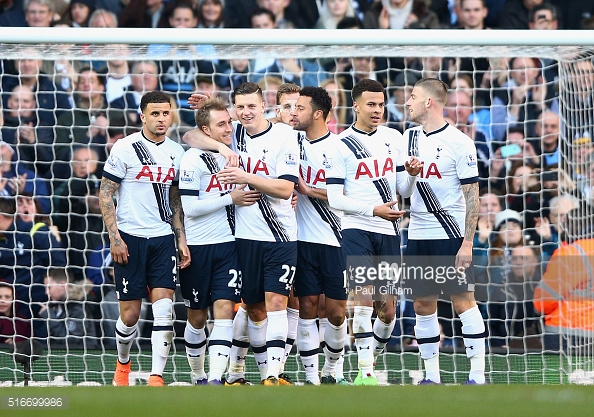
(302, 187)
(231, 158)
(196, 100)
(386, 212)
(243, 196)
(233, 175)
(413, 166)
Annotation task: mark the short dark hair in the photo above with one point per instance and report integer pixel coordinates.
(436, 88)
(349, 22)
(58, 274)
(154, 97)
(100, 73)
(203, 115)
(260, 11)
(7, 206)
(319, 99)
(245, 89)
(543, 6)
(367, 85)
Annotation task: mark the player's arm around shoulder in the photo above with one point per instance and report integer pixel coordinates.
(196, 138)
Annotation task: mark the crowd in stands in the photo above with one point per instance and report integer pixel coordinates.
(59, 120)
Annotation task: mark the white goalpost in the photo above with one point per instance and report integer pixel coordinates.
(525, 344)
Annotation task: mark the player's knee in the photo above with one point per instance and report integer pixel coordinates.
(308, 307)
(163, 312)
(223, 309)
(425, 308)
(256, 312)
(197, 318)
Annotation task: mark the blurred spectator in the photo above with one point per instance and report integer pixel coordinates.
(141, 14)
(144, 77)
(279, 9)
(84, 165)
(481, 114)
(79, 13)
(302, 13)
(340, 116)
(117, 78)
(585, 184)
(286, 99)
(514, 321)
(580, 119)
(69, 322)
(87, 123)
(39, 13)
(400, 14)
(237, 73)
(521, 99)
(29, 210)
(564, 295)
(548, 227)
(543, 17)
(52, 99)
(581, 149)
(102, 18)
(210, 14)
(269, 86)
(14, 328)
(15, 178)
(26, 254)
(333, 11)
(547, 135)
(523, 192)
(459, 108)
(396, 111)
(262, 19)
(474, 13)
(514, 14)
(21, 129)
(573, 13)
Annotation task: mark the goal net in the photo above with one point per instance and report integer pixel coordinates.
(525, 97)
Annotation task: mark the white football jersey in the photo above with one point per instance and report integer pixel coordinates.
(273, 153)
(317, 222)
(367, 163)
(144, 170)
(198, 181)
(438, 207)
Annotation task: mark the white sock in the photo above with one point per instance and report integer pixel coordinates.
(308, 343)
(340, 362)
(257, 335)
(473, 332)
(382, 332)
(219, 346)
(162, 334)
(427, 334)
(195, 340)
(334, 348)
(239, 347)
(124, 337)
(276, 336)
(363, 332)
(292, 320)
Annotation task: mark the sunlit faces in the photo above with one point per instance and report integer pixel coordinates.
(157, 118)
(28, 67)
(523, 262)
(363, 65)
(211, 12)
(338, 8)
(417, 105)
(38, 15)
(474, 12)
(80, 12)
(183, 17)
(277, 7)
(370, 108)
(84, 162)
(303, 114)
(458, 107)
(250, 110)
(582, 75)
(511, 233)
(56, 291)
(88, 84)
(547, 127)
(489, 205)
(219, 128)
(522, 179)
(22, 101)
(262, 21)
(524, 71)
(286, 107)
(543, 20)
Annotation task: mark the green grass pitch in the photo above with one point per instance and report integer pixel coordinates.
(331, 401)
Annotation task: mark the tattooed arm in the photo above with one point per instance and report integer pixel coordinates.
(177, 220)
(471, 195)
(118, 248)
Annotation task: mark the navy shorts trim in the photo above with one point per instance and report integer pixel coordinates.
(213, 274)
(435, 260)
(152, 263)
(320, 271)
(266, 267)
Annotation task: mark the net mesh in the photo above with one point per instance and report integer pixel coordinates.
(510, 89)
